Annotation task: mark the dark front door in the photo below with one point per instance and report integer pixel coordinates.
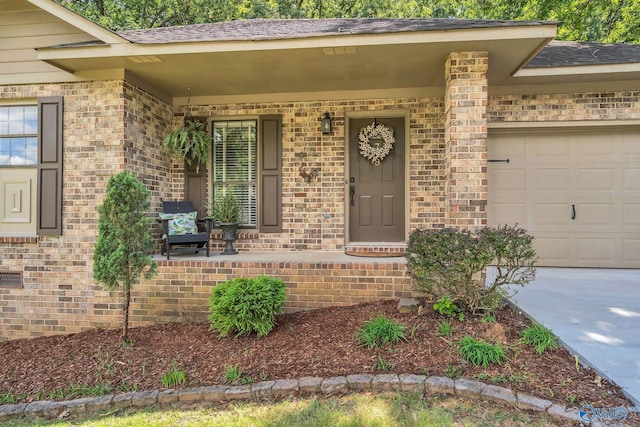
(376, 191)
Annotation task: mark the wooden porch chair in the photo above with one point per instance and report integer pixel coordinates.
(180, 229)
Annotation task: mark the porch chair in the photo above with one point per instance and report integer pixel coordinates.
(179, 228)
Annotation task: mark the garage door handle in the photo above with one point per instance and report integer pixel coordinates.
(573, 211)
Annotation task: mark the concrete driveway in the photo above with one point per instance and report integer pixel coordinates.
(595, 313)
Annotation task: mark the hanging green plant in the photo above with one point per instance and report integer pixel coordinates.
(190, 143)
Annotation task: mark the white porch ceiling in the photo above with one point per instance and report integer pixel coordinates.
(312, 67)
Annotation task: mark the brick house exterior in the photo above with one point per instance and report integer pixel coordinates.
(118, 122)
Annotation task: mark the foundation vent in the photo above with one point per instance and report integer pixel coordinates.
(10, 279)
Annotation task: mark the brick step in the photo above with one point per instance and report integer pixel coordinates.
(376, 250)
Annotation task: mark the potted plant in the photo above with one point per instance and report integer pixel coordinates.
(227, 213)
(190, 142)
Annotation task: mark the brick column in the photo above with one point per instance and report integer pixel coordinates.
(466, 100)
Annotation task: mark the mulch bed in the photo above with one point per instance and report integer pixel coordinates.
(313, 343)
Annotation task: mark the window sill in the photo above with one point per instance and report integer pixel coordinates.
(241, 234)
(18, 239)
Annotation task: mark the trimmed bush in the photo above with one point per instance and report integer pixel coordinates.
(449, 262)
(380, 331)
(244, 305)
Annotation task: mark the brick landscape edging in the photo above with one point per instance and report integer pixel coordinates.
(462, 387)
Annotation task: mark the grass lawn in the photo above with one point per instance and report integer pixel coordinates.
(368, 409)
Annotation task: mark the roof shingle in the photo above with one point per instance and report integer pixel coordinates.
(555, 54)
(568, 54)
(276, 29)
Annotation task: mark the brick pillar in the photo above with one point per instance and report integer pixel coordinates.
(466, 100)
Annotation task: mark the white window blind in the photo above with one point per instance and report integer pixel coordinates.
(234, 164)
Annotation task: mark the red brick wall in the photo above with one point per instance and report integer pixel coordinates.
(181, 290)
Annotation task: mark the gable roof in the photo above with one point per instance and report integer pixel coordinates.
(266, 56)
(304, 56)
(554, 54)
(567, 53)
(568, 62)
(281, 29)
(27, 25)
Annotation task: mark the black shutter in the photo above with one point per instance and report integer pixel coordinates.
(270, 158)
(50, 132)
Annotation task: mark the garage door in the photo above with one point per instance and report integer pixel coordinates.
(578, 193)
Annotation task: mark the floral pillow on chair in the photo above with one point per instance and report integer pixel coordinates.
(181, 223)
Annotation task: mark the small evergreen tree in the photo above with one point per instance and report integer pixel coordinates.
(125, 242)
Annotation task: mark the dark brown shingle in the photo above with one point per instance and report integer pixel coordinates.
(568, 54)
(277, 29)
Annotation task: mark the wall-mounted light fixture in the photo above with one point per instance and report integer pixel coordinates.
(326, 124)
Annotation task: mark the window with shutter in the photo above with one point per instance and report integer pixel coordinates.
(247, 161)
(234, 159)
(49, 207)
(270, 156)
(18, 169)
(31, 168)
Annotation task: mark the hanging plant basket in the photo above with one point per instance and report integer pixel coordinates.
(378, 152)
(189, 143)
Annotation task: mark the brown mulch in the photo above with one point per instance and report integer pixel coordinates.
(313, 343)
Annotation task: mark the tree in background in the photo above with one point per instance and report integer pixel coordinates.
(611, 21)
(125, 242)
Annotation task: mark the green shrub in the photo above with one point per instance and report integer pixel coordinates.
(8, 398)
(445, 328)
(453, 372)
(512, 252)
(382, 365)
(174, 377)
(488, 318)
(122, 254)
(380, 331)
(446, 307)
(539, 337)
(480, 353)
(235, 375)
(448, 262)
(246, 305)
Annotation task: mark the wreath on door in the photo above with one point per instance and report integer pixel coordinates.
(376, 153)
